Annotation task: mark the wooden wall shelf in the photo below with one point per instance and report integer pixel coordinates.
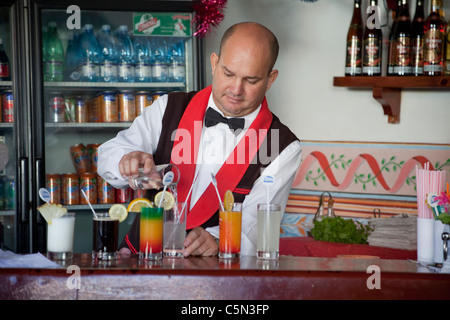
(387, 90)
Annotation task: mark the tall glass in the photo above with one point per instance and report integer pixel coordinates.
(174, 231)
(151, 233)
(60, 237)
(269, 220)
(105, 237)
(230, 232)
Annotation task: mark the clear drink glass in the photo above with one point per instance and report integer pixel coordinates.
(105, 238)
(269, 220)
(230, 232)
(174, 231)
(154, 179)
(151, 233)
(60, 237)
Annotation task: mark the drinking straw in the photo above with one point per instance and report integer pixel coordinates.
(167, 180)
(189, 193)
(90, 206)
(214, 181)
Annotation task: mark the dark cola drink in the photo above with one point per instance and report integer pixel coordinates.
(105, 237)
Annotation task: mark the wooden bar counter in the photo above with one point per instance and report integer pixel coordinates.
(242, 279)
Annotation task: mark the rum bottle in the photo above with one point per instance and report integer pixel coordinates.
(353, 66)
(390, 70)
(372, 47)
(417, 39)
(400, 43)
(435, 28)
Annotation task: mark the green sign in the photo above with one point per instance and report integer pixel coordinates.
(162, 24)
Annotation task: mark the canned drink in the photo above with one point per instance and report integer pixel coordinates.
(56, 107)
(158, 94)
(105, 191)
(108, 107)
(70, 190)
(127, 106)
(69, 111)
(143, 100)
(7, 106)
(93, 105)
(53, 185)
(92, 150)
(80, 158)
(123, 195)
(81, 110)
(88, 183)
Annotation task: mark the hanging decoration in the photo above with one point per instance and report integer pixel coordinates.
(208, 14)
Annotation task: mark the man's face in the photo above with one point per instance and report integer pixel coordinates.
(240, 76)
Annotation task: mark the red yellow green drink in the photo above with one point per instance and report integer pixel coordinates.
(151, 233)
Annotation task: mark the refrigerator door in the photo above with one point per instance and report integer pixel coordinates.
(98, 70)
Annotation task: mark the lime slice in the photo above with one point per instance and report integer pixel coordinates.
(168, 200)
(118, 211)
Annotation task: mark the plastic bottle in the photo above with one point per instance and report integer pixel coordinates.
(142, 53)
(90, 70)
(72, 67)
(177, 64)
(53, 55)
(5, 74)
(125, 50)
(108, 55)
(158, 61)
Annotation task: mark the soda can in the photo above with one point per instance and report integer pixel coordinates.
(70, 190)
(92, 150)
(69, 111)
(143, 100)
(93, 106)
(158, 94)
(88, 183)
(108, 107)
(127, 106)
(53, 185)
(7, 106)
(123, 195)
(80, 158)
(105, 191)
(56, 107)
(81, 110)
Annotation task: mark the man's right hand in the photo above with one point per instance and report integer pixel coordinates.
(131, 162)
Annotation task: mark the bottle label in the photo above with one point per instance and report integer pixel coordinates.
(177, 71)
(126, 70)
(159, 70)
(142, 71)
(354, 57)
(54, 70)
(433, 46)
(4, 70)
(89, 70)
(400, 56)
(372, 53)
(108, 70)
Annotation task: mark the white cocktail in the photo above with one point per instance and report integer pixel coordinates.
(60, 235)
(268, 242)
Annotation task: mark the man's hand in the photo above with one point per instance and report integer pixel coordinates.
(200, 242)
(131, 162)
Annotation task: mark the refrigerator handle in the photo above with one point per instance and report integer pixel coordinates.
(23, 206)
(40, 183)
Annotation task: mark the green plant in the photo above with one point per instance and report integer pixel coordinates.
(340, 230)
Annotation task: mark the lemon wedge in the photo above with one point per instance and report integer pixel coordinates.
(228, 201)
(51, 211)
(118, 211)
(137, 204)
(168, 200)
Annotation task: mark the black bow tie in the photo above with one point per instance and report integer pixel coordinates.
(213, 117)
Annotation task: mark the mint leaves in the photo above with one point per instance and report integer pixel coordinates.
(340, 230)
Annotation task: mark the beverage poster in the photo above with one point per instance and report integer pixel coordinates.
(162, 24)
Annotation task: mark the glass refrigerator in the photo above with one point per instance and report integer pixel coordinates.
(80, 73)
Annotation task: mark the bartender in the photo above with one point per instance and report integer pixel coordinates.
(198, 132)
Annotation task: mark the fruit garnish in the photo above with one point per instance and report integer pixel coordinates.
(137, 204)
(168, 200)
(118, 211)
(228, 201)
(51, 211)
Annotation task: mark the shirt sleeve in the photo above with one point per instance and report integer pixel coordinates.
(283, 169)
(143, 135)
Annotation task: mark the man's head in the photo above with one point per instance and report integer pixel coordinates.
(243, 70)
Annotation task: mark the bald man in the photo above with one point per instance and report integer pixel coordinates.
(226, 129)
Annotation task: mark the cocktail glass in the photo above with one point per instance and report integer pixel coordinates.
(230, 232)
(151, 233)
(174, 231)
(105, 237)
(268, 242)
(60, 237)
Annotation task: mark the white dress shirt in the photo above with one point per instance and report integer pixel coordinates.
(216, 144)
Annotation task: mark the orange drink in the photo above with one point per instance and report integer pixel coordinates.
(151, 233)
(230, 232)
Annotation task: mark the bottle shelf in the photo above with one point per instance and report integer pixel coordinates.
(87, 126)
(387, 90)
(118, 85)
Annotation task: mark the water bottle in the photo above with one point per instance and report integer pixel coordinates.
(108, 55)
(72, 67)
(53, 55)
(90, 70)
(5, 74)
(154, 179)
(125, 50)
(142, 68)
(177, 65)
(158, 61)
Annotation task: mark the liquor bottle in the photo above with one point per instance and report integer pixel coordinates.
(353, 65)
(400, 43)
(90, 69)
(390, 70)
(435, 28)
(372, 48)
(5, 74)
(417, 39)
(53, 55)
